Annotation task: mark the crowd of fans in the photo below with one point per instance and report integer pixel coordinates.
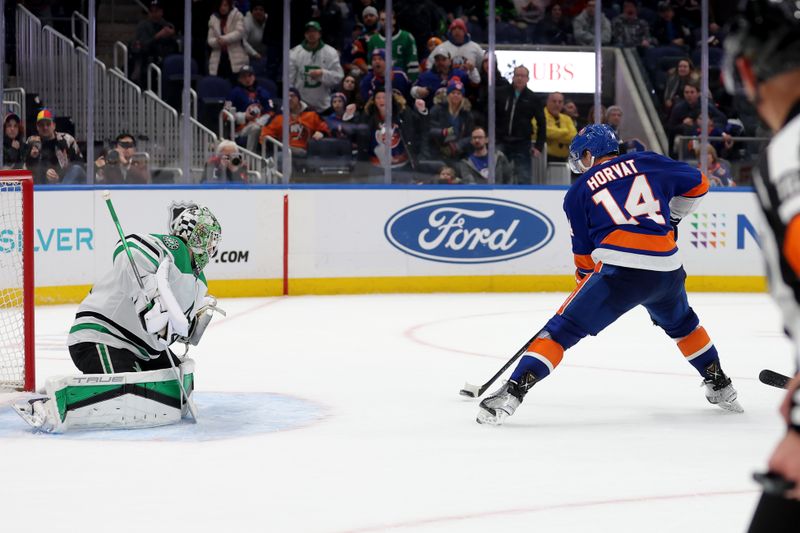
(338, 69)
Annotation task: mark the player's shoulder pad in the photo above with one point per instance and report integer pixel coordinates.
(142, 244)
(178, 250)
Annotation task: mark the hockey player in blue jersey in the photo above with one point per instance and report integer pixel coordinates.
(623, 214)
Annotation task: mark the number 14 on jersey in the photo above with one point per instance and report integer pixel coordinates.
(640, 202)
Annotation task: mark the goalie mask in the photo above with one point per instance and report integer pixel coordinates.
(201, 232)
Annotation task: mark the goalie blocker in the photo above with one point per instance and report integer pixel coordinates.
(110, 401)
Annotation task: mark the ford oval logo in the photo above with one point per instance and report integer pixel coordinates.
(468, 230)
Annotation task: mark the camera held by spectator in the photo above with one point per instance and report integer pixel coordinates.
(227, 165)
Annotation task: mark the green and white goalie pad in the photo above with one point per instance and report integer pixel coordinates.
(127, 400)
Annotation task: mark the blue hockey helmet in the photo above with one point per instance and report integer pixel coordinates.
(597, 139)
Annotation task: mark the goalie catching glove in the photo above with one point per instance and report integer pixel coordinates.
(201, 320)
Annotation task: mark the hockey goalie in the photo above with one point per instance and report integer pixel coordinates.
(155, 295)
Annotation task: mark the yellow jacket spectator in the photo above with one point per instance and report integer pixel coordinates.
(560, 128)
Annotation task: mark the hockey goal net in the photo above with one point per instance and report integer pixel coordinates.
(16, 281)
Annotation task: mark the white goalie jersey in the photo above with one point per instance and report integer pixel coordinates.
(110, 314)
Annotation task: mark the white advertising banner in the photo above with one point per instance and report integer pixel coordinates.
(441, 232)
(434, 232)
(720, 239)
(362, 233)
(566, 72)
(75, 235)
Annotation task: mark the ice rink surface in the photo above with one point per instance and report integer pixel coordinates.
(342, 414)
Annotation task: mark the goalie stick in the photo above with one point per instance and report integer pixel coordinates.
(473, 391)
(772, 378)
(189, 402)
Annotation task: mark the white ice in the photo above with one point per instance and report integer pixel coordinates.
(619, 439)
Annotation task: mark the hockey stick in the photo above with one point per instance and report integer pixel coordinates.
(773, 483)
(473, 391)
(772, 378)
(189, 401)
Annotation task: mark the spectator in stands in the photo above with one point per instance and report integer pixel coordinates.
(225, 35)
(360, 9)
(304, 124)
(464, 53)
(723, 147)
(344, 120)
(358, 52)
(155, 39)
(426, 63)
(481, 107)
(329, 15)
(122, 163)
(109, 169)
(560, 128)
(719, 171)
(583, 27)
(688, 11)
(349, 87)
(613, 118)
(475, 167)
(351, 57)
(254, 23)
(628, 29)
(555, 28)
(376, 78)
(423, 19)
(590, 115)
(446, 176)
(669, 31)
(685, 116)
(404, 47)
(530, 11)
(407, 133)
(252, 107)
(53, 157)
(571, 109)
(226, 165)
(314, 69)
(451, 124)
(14, 146)
(678, 77)
(437, 79)
(517, 105)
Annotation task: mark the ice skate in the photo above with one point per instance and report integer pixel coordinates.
(501, 404)
(719, 389)
(36, 413)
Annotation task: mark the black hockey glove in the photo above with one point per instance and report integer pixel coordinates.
(674, 223)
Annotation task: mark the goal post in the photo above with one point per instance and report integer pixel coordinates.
(17, 368)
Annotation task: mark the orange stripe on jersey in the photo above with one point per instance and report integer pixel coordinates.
(549, 349)
(791, 245)
(574, 293)
(700, 190)
(584, 262)
(694, 342)
(639, 241)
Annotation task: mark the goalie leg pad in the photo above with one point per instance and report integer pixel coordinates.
(110, 401)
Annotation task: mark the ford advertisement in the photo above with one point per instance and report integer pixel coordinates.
(468, 230)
